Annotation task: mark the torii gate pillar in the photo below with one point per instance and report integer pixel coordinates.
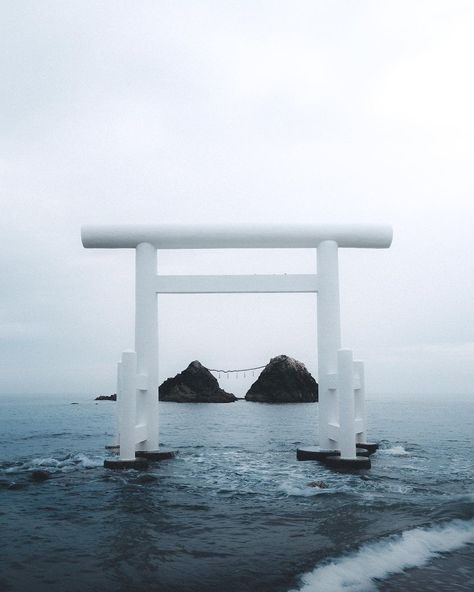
(146, 341)
(329, 335)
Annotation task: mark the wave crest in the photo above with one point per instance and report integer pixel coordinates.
(413, 548)
(70, 462)
(395, 451)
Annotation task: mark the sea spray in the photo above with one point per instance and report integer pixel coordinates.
(413, 548)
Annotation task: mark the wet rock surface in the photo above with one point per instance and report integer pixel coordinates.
(39, 476)
(194, 385)
(284, 380)
(106, 397)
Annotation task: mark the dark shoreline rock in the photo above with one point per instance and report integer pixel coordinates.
(194, 385)
(106, 398)
(39, 476)
(284, 380)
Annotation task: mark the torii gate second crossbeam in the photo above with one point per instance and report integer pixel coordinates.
(342, 422)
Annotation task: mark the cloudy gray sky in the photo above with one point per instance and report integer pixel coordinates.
(236, 111)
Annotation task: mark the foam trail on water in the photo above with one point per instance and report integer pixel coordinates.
(394, 451)
(302, 490)
(356, 572)
(68, 463)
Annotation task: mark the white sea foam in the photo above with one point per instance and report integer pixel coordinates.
(45, 462)
(395, 451)
(86, 462)
(71, 462)
(301, 490)
(357, 572)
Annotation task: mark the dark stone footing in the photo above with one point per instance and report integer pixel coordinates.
(113, 447)
(117, 463)
(162, 454)
(370, 447)
(314, 453)
(362, 452)
(348, 464)
(332, 458)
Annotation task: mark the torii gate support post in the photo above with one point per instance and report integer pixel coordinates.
(146, 344)
(339, 403)
(359, 402)
(127, 414)
(329, 337)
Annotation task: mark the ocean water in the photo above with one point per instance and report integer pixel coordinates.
(234, 512)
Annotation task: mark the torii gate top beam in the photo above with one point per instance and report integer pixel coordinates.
(248, 236)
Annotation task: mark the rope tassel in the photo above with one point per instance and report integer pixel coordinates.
(236, 372)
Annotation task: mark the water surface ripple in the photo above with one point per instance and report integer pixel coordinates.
(235, 511)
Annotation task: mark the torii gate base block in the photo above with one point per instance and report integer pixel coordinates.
(370, 447)
(333, 459)
(117, 463)
(141, 460)
(160, 454)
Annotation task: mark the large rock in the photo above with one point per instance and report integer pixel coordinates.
(284, 380)
(194, 385)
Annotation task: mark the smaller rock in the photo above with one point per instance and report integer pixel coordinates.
(39, 476)
(146, 478)
(106, 397)
(5, 484)
(318, 484)
(15, 485)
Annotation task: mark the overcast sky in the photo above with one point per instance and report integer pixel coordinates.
(237, 111)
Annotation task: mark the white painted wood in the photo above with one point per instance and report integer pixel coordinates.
(359, 401)
(359, 427)
(146, 339)
(333, 434)
(142, 382)
(235, 236)
(233, 284)
(141, 433)
(345, 372)
(127, 408)
(329, 337)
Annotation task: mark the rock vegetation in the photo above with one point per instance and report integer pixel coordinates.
(284, 380)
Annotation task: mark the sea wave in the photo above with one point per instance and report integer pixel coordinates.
(304, 490)
(394, 451)
(70, 462)
(358, 571)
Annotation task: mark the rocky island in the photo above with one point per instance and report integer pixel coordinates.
(194, 385)
(106, 397)
(284, 380)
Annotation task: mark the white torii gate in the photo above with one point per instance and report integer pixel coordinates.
(342, 423)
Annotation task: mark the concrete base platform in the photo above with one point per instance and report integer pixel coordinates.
(370, 447)
(348, 464)
(332, 458)
(362, 452)
(117, 463)
(314, 453)
(161, 454)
